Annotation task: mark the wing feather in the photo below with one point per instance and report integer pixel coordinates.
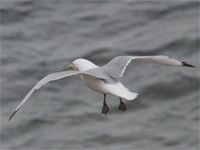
(53, 77)
(117, 65)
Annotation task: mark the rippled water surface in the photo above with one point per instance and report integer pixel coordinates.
(42, 37)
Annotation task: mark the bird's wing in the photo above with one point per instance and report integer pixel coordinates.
(53, 77)
(116, 67)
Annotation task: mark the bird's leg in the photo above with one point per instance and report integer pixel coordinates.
(105, 108)
(122, 106)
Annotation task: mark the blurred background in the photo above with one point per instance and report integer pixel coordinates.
(42, 37)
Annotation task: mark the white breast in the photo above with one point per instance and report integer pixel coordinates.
(95, 84)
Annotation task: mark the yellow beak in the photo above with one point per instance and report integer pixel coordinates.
(70, 67)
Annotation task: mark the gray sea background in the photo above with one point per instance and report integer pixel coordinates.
(43, 37)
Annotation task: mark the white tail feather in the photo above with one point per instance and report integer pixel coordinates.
(120, 90)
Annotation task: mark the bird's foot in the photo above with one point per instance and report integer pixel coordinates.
(122, 106)
(105, 109)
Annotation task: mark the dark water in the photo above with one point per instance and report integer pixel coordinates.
(42, 37)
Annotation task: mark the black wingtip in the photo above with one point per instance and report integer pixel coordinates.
(187, 65)
(13, 114)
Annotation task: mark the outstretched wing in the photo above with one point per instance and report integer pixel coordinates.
(56, 76)
(117, 66)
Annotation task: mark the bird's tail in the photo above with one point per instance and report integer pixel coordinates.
(128, 95)
(120, 90)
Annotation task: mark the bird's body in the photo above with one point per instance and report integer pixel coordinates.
(94, 84)
(115, 89)
(108, 86)
(103, 79)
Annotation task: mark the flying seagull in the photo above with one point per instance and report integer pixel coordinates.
(103, 79)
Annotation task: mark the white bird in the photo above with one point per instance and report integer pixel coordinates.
(103, 79)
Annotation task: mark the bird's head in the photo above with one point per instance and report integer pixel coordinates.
(81, 65)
